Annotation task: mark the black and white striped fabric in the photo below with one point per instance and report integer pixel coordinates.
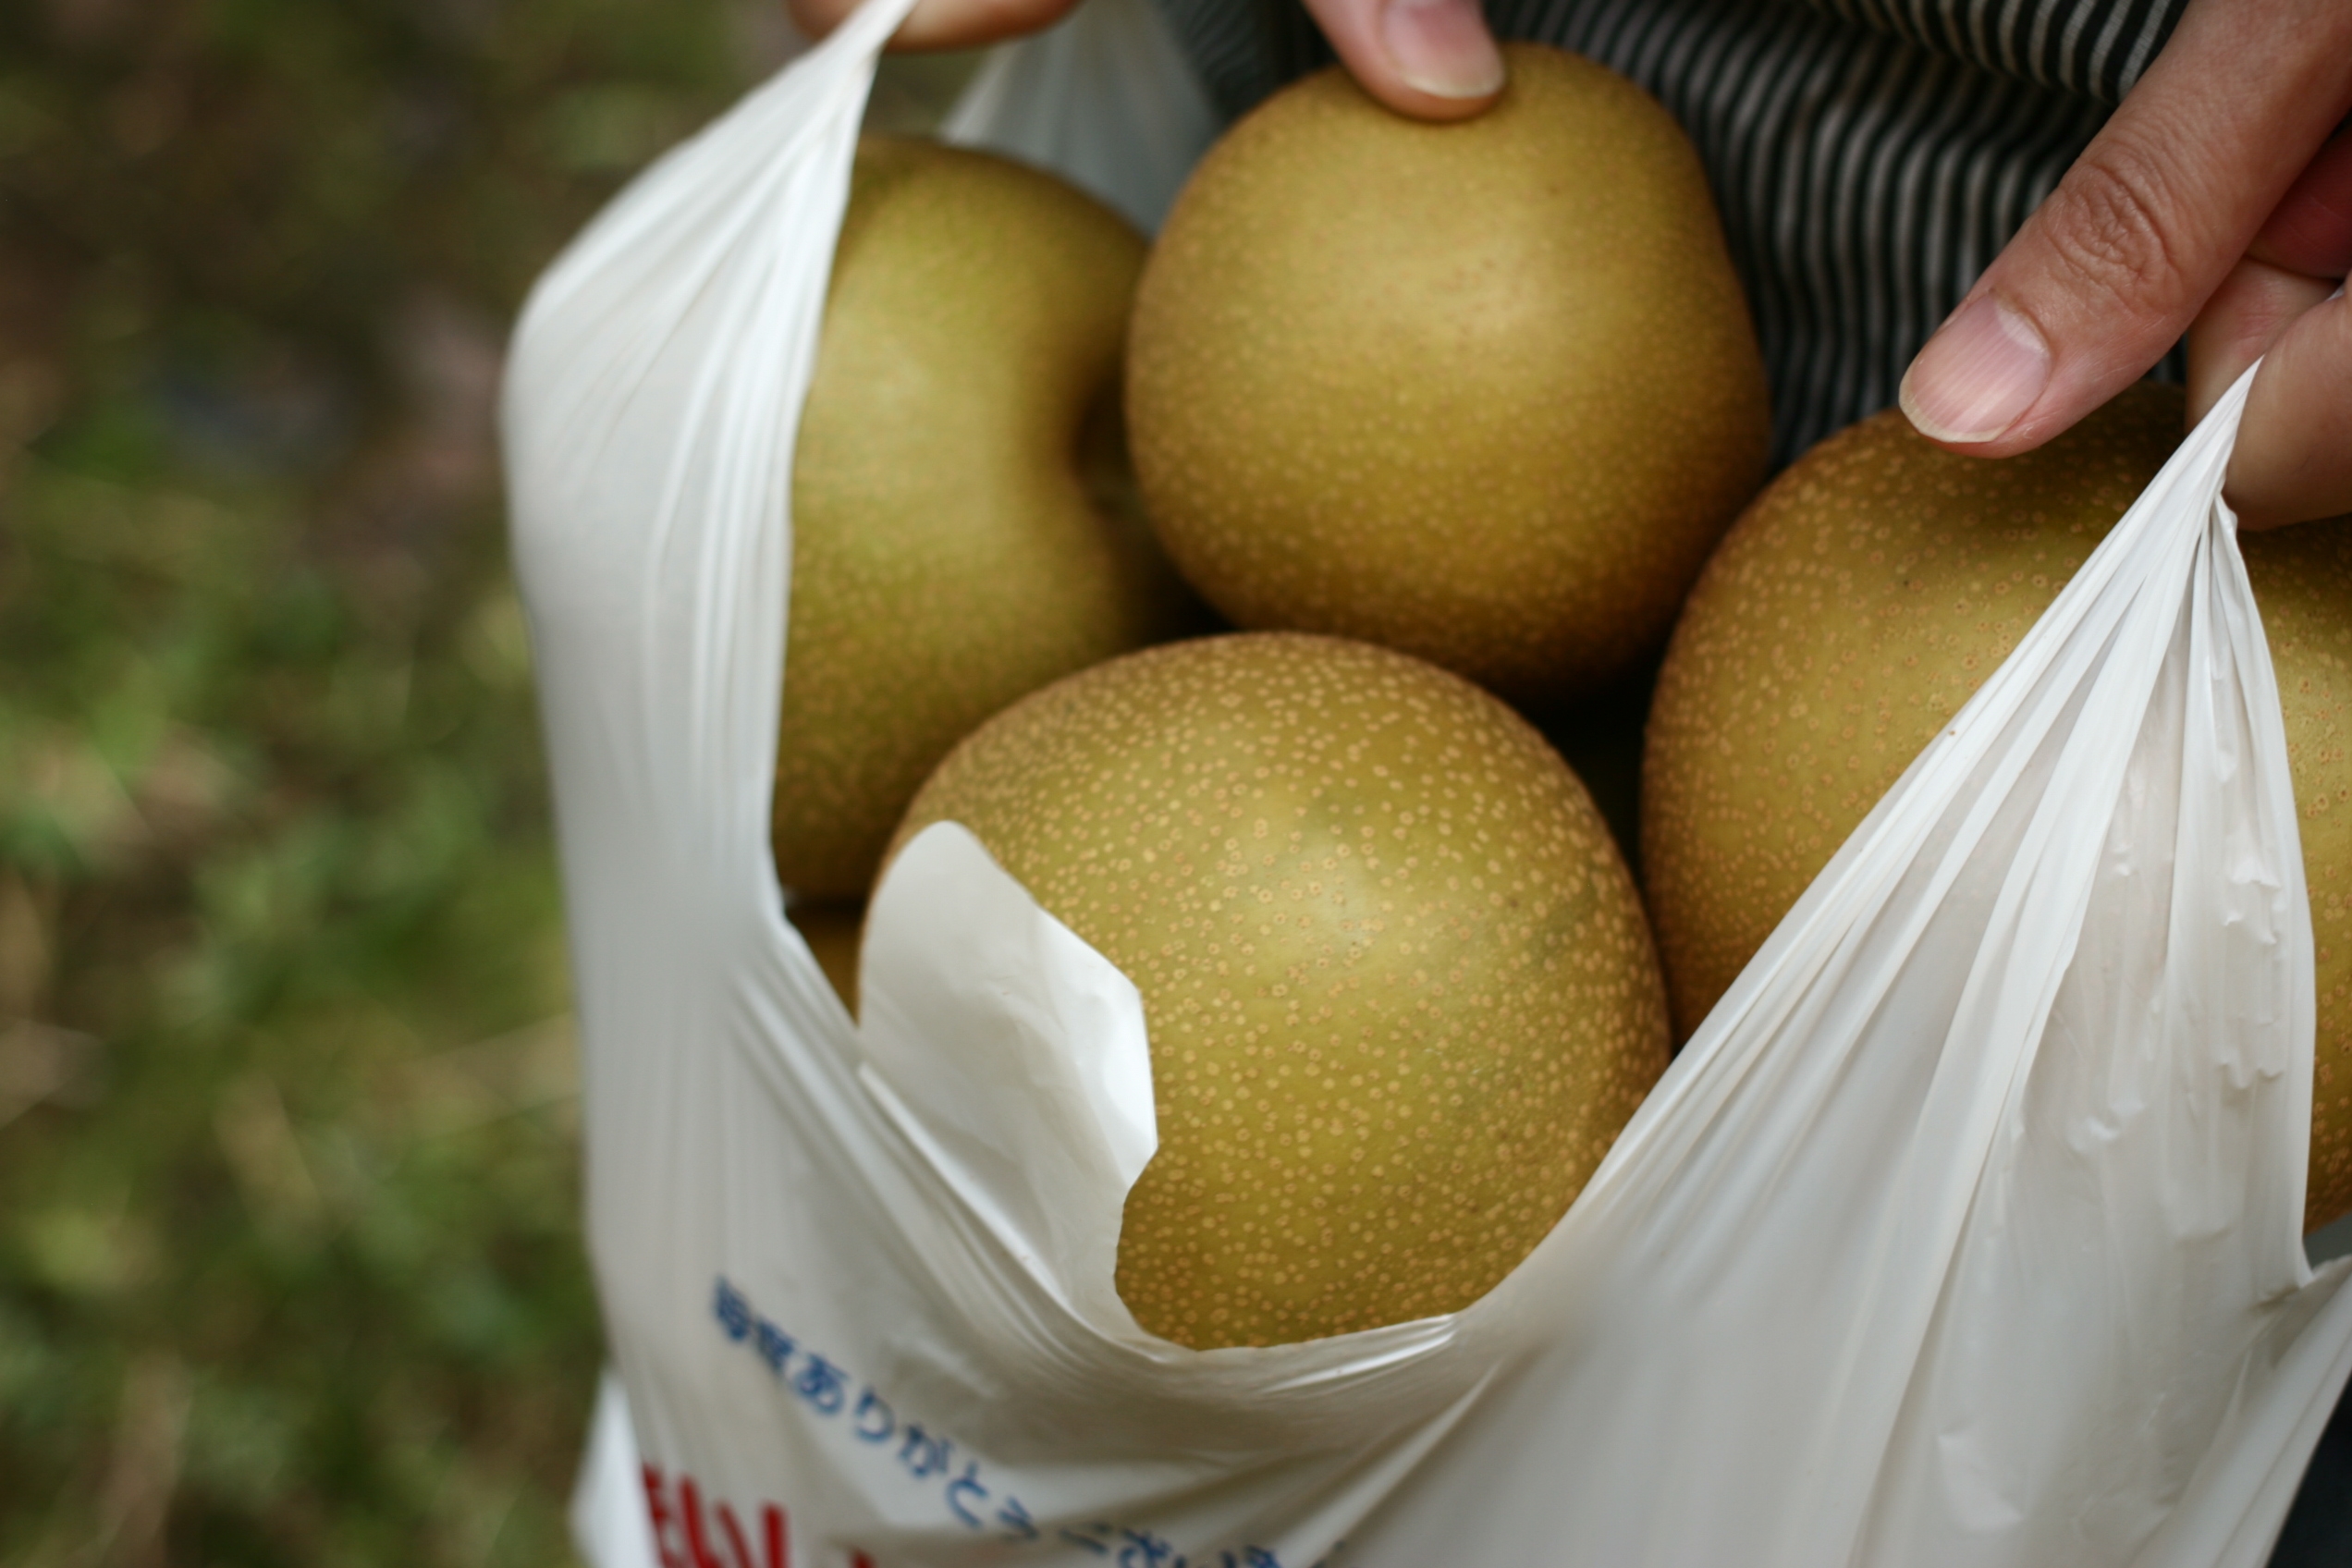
(1869, 156)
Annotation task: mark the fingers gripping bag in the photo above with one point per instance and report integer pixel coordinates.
(1965, 1231)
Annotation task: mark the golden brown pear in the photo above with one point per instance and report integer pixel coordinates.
(1400, 993)
(2302, 579)
(964, 527)
(1861, 601)
(1485, 391)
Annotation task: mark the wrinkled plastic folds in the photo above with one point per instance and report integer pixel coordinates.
(1104, 99)
(1965, 1233)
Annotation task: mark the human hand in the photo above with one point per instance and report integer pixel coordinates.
(2213, 201)
(1431, 59)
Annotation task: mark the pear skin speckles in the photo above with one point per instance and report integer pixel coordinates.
(959, 537)
(1486, 392)
(1860, 602)
(1401, 993)
(1846, 617)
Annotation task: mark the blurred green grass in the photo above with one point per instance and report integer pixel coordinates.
(290, 1266)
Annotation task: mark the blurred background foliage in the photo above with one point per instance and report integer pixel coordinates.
(290, 1269)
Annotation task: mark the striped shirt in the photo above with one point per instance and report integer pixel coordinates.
(1870, 157)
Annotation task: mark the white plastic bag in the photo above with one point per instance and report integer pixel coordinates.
(1965, 1233)
(1104, 98)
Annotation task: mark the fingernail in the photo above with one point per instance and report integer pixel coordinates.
(1981, 371)
(1441, 47)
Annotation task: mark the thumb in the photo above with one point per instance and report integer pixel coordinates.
(2111, 270)
(1429, 59)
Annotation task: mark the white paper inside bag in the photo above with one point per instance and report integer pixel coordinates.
(1963, 1233)
(1015, 1054)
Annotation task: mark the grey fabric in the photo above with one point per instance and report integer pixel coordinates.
(2094, 47)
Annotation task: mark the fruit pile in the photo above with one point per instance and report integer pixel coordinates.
(1450, 423)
